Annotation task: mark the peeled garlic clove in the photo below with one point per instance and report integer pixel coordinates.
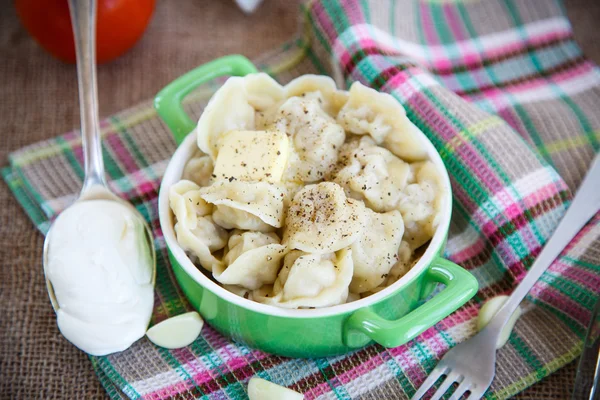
(176, 332)
(260, 389)
(248, 6)
(487, 312)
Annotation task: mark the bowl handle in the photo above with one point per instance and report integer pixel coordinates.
(460, 287)
(168, 101)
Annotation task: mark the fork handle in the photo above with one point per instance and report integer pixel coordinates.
(583, 207)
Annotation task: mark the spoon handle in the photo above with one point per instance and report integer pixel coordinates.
(584, 206)
(83, 19)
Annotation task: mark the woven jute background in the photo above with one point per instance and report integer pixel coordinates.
(38, 100)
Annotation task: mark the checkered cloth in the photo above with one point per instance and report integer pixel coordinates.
(509, 101)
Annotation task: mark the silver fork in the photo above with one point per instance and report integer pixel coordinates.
(472, 364)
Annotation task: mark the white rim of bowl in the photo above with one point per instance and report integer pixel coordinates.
(173, 174)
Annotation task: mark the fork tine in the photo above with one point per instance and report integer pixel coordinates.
(431, 379)
(477, 393)
(460, 390)
(450, 379)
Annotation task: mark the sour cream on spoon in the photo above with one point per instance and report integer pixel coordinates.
(100, 266)
(99, 257)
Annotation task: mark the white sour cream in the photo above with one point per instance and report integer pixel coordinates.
(100, 267)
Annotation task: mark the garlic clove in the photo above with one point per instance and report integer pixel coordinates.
(260, 389)
(487, 312)
(176, 332)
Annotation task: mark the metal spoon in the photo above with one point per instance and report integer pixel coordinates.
(83, 18)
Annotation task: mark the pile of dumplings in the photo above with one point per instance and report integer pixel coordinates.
(305, 196)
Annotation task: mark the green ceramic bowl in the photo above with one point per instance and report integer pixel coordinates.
(390, 317)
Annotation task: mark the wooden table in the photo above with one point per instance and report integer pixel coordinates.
(38, 100)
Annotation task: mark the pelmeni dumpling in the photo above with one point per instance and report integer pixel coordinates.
(376, 250)
(239, 291)
(186, 202)
(352, 297)
(403, 264)
(420, 205)
(384, 119)
(291, 188)
(372, 173)
(199, 169)
(315, 138)
(251, 260)
(232, 218)
(406, 260)
(202, 240)
(322, 220)
(310, 280)
(195, 230)
(246, 205)
(319, 87)
(234, 106)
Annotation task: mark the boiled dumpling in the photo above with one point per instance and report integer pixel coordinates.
(251, 260)
(199, 169)
(372, 173)
(228, 109)
(246, 205)
(202, 240)
(402, 266)
(262, 91)
(291, 188)
(376, 250)
(420, 205)
(315, 139)
(405, 262)
(322, 220)
(310, 280)
(319, 87)
(195, 230)
(384, 119)
(239, 291)
(233, 106)
(186, 203)
(232, 218)
(352, 297)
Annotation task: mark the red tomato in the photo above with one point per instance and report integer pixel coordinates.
(119, 26)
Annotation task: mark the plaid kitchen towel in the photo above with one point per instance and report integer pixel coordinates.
(510, 102)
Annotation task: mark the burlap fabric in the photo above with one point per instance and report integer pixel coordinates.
(39, 101)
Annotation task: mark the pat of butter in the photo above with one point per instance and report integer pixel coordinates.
(260, 389)
(252, 156)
